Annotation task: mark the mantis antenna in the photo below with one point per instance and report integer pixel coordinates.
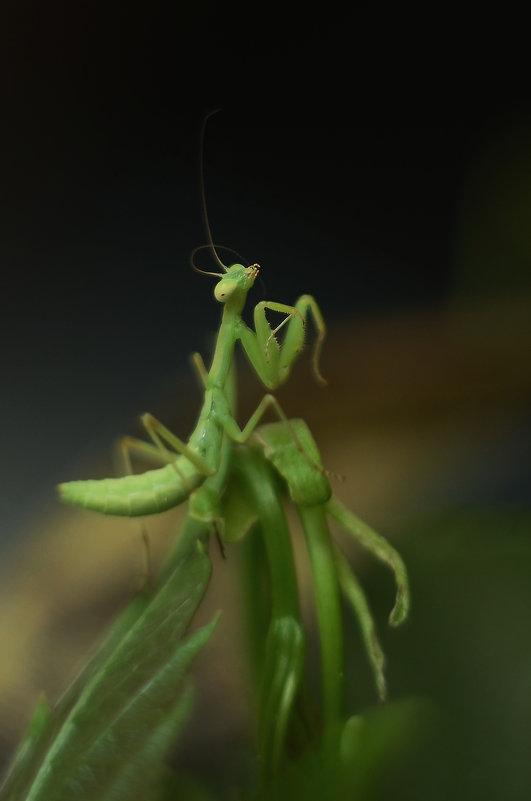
(204, 247)
(203, 196)
(211, 246)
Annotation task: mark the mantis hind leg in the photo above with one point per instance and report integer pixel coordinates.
(159, 454)
(160, 434)
(128, 446)
(123, 450)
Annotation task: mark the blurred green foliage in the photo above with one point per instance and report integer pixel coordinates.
(466, 651)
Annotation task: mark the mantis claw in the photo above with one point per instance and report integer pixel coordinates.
(267, 346)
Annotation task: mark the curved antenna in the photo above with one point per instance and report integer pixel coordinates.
(204, 247)
(203, 197)
(198, 269)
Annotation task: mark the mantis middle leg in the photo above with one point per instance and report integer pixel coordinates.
(241, 435)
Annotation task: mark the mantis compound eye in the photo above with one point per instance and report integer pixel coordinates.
(223, 290)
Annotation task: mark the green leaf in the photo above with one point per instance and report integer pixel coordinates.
(355, 595)
(30, 747)
(304, 475)
(142, 777)
(238, 512)
(114, 737)
(282, 674)
(382, 550)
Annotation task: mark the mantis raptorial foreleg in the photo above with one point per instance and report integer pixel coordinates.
(273, 361)
(293, 340)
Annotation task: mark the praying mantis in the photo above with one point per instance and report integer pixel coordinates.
(200, 458)
(220, 456)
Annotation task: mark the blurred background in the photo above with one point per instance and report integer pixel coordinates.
(407, 215)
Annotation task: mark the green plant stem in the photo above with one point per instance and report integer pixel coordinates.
(272, 554)
(328, 606)
(259, 480)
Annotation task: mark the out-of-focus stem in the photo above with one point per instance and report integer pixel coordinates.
(327, 601)
(258, 478)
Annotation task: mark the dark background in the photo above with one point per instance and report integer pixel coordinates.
(337, 183)
(349, 167)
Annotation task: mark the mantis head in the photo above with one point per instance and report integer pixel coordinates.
(236, 282)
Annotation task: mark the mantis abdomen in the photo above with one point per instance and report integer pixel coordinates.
(130, 496)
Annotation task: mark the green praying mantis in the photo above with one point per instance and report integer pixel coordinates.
(230, 474)
(193, 462)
